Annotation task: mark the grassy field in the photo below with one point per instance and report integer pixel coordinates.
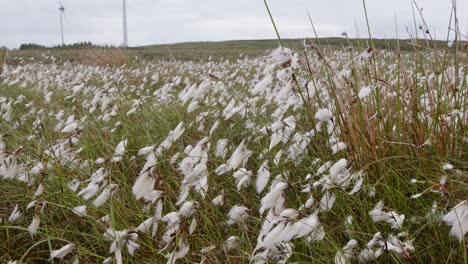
(318, 154)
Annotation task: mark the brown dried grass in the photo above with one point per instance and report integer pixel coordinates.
(103, 56)
(3, 58)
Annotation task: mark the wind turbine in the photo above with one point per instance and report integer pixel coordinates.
(62, 14)
(125, 37)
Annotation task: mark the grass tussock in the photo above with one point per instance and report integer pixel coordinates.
(103, 56)
(3, 59)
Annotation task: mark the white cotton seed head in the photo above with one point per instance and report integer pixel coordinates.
(120, 149)
(273, 197)
(261, 86)
(116, 159)
(145, 151)
(231, 242)
(338, 147)
(192, 106)
(105, 220)
(238, 155)
(281, 55)
(458, 219)
(99, 161)
(243, 177)
(364, 92)
(39, 190)
(218, 200)
(70, 128)
(73, 185)
(415, 196)
(143, 186)
(223, 169)
(237, 214)
(108, 260)
(357, 187)
(145, 226)
(179, 252)
(263, 176)
(275, 138)
(89, 191)
(338, 167)
(377, 214)
(105, 194)
(31, 205)
(80, 210)
(327, 201)
(447, 166)
(193, 226)
(324, 167)
(187, 209)
(395, 220)
(62, 252)
(323, 115)
(36, 170)
(16, 215)
(32, 228)
(221, 148)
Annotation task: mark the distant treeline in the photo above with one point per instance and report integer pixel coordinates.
(83, 44)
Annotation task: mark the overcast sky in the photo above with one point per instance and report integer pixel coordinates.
(170, 21)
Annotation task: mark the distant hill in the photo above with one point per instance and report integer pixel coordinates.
(233, 48)
(224, 49)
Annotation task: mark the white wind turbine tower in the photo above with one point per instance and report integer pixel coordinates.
(62, 14)
(125, 37)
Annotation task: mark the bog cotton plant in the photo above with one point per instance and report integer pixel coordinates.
(62, 252)
(264, 159)
(457, 218)
(15, 215)
(392, 218)
(120, 239)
